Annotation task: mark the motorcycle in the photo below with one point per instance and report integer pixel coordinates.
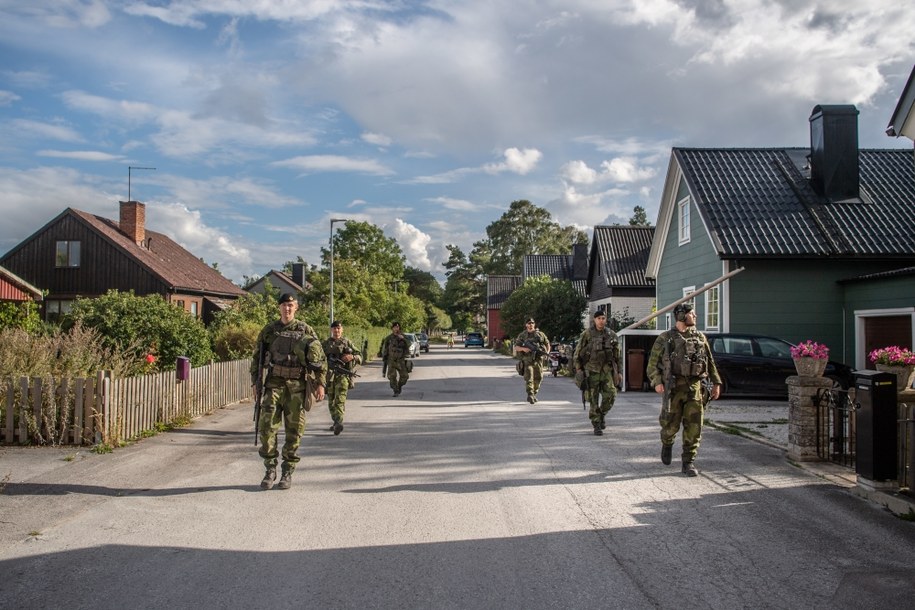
(556, 359)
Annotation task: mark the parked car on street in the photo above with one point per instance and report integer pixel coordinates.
(423, 342)
(413, 349)
(475, 339)
(757, 365)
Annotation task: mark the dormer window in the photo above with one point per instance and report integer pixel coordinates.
(67, 254)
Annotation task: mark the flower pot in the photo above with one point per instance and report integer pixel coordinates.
(904, 374)
(810, 367)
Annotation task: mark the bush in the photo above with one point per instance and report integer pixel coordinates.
(235, 342)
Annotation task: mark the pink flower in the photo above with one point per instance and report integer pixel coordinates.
(810, 349)
(893, 356)
(150, 358)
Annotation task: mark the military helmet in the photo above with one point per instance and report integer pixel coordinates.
(681, 310)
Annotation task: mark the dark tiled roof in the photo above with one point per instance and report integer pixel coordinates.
(166, 259)
(759, 203)
(623, 253)
(499, 288)
(556, 266)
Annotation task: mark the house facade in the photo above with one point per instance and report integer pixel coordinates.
(498, 289)
(616, 271)
(78, 254)
(806, 225)
(282, 282)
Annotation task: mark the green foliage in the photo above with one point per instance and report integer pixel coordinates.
(554, 304)
(365, 244)
(22, 315)
(639, 218)
(620, 319)
(77, 352)
(235, 342)
(436, 318)
(524, 229)
(465, 290)
(144, 325)
(423, 285)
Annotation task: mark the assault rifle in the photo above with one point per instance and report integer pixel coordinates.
(707, 386)
(534, 346)
(384, 365)
(338, 367)
(669, 380)
(262, 362)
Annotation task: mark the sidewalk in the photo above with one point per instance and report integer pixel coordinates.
(766, 421)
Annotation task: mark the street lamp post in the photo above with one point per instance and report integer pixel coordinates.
(332, 221)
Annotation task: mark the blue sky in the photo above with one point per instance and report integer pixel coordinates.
(264, 119)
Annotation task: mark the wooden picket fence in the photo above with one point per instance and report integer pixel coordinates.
(100, 409)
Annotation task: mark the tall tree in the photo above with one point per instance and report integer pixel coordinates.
(524, 229)
(639, 218)
(423, 285)
(367, 245)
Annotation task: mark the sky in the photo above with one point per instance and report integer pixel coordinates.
(265, 119)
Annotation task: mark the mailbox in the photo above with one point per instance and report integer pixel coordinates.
(183, 368)
(876, 425)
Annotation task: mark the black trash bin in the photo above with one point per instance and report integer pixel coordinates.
(876, 430)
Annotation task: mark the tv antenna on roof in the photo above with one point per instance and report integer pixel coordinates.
(129, 169)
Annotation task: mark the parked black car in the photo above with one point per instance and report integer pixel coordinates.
(423, 342)
(756, 365)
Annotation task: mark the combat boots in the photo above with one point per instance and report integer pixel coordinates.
(689, 469)
(269, 478)
(666, 454)
(285, 480)
(598, 431)
(337, 428)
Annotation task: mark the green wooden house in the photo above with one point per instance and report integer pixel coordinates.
(825, 237)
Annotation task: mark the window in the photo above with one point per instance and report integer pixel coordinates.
(194, 308)
(711, 308)
(54, 310)
(67, 254)
(683, 217)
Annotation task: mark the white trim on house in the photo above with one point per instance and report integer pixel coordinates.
(861, 314)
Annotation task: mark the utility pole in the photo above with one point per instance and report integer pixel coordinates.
(332, 221)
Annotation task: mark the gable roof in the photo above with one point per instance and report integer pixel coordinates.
(902, 123)
(759, 203)
(499, 288)
(622, 253)
(556, 266)
(14, 288)
(163, 257)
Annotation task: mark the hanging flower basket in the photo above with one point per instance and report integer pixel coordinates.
(810, 367)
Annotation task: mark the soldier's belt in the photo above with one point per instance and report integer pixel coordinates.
(287, 372)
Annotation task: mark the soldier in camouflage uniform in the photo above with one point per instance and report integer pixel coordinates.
(532, 359)
(341, 352)
(395, 349)
(292, 356)
(681, 360)
(597, 364)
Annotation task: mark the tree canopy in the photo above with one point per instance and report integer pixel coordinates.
(554, 304)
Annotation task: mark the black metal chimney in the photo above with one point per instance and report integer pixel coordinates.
(579, 261)
(298, 273)
(834, 151)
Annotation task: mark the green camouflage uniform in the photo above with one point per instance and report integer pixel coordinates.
(533, 365)
(598, 355)
(395, 348)
(337, 385)
(296, 366)
(691, 361)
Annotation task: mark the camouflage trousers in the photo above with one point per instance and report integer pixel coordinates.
(336, 396)
(282, 406)
(601, 394)
(533, 375)
(686, 410)
(397, 374)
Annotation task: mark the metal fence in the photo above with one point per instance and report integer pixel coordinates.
(100, 409)
(835, 426)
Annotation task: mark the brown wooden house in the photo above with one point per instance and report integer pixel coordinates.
(78, 254)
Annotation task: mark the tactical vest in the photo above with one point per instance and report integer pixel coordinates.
(689, 356)
(282, 348)
(602, 347)
(335, 348)
(397, 347)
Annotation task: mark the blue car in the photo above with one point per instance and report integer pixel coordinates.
(475, 339)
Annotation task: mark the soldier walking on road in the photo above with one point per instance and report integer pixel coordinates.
(342, 355)
(394, 349)
(680, 364)
(291, 353)
(531, 348)
(597, 369)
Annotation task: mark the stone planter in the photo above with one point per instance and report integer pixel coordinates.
(904, 374)
(810, 367)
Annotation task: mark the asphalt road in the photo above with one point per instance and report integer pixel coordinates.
(457, 494)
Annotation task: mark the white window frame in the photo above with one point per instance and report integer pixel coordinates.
(683, 220)
(713, 302)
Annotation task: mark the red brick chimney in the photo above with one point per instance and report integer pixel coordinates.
(133, 220)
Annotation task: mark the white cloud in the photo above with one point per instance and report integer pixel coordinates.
(516, 161)
(335, 163)
(414, 243)
(80, 155)
(8, 97)
(28, 129)
(460, 205)
(377, 139)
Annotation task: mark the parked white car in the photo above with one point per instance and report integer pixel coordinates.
(413, 341)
